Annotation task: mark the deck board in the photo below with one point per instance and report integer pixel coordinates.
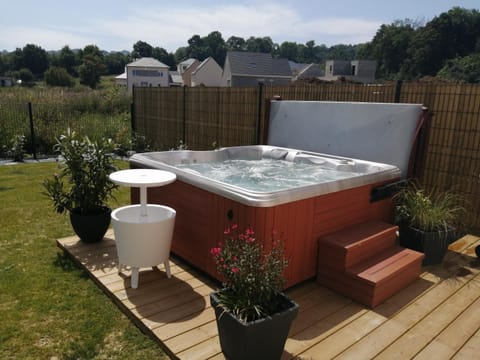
(435, 317)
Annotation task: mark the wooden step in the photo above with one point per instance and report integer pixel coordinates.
(355, 244)
(376, 279)
(383, 267)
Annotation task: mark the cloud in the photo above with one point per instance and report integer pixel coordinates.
(172, 27)
(49, 39)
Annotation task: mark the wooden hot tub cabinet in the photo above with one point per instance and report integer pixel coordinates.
(202, 217)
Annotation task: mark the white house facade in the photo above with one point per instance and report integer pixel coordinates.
(147, 72)
(208, 73)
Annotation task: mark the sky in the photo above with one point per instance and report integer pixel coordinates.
(115, 25)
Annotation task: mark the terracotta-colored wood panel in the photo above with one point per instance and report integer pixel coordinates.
(338, 210)
(355, 244)
(192, 237)
(202, 217)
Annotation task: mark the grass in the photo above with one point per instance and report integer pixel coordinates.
(49, 307)
(104, 112)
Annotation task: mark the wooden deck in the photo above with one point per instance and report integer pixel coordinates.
(437, 317)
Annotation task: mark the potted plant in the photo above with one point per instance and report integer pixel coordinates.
(83, 187)
(427, 220)
(253, 315)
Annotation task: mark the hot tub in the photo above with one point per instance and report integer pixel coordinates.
(248, 185)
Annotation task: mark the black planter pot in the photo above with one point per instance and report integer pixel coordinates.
(263, 339)
(91, 227)
(433, 244)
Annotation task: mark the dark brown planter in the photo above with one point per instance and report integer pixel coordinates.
(433, 244)
(256, 340)
(92, 227)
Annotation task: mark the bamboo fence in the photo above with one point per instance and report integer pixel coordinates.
(205, 118)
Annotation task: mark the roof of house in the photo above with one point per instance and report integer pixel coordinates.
(296, 67)
(258, 64)
(188, 62)
(203, 64)
(147, 62)
(176, 77)
(311, 70)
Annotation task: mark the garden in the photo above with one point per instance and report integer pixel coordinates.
(49, 307)
(32, 118)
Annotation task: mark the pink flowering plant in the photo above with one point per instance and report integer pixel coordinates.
(252, 276)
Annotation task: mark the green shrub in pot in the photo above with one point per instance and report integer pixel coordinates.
(428, 219)
(82, 187)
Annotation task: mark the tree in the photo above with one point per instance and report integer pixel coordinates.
(67, 60)
(142, 49)
(115, 62)
(311, 53)
(3, 64)
(163, 56)
(58, 76)
(17, 59)
(31, 57)
(93, 50)
(389, 47)
(235, 43)
(197, 48)
(463, 69)
(26, 76)
(34, 58)
(215, 46)
(341, 52)
(92, 66)
(181, 54)
(450, 35)
(263, 45)
(289, 50)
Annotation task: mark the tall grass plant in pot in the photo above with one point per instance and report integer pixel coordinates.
(428, 220)
(82, 187)
(253, 315)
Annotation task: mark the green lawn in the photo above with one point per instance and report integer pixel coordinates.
(48, 307)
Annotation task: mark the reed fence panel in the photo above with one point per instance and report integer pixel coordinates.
(208, 117)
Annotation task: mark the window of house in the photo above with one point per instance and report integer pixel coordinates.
(354, 69)
(330, 69)
(146, 73)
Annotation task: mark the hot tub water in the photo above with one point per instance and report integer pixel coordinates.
(266, 175)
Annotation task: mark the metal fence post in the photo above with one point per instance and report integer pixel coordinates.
(32, 131)
(133, 123)
(184, 133)
(259, 114)
(398, 90)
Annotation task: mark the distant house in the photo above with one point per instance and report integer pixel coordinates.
(175, 78)
(250, 69)
(185, 64)
(305, 71)
(185, 70)
(208, 73)
(147, 72)
(121, 79)
(362, 71)
(6, 81)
